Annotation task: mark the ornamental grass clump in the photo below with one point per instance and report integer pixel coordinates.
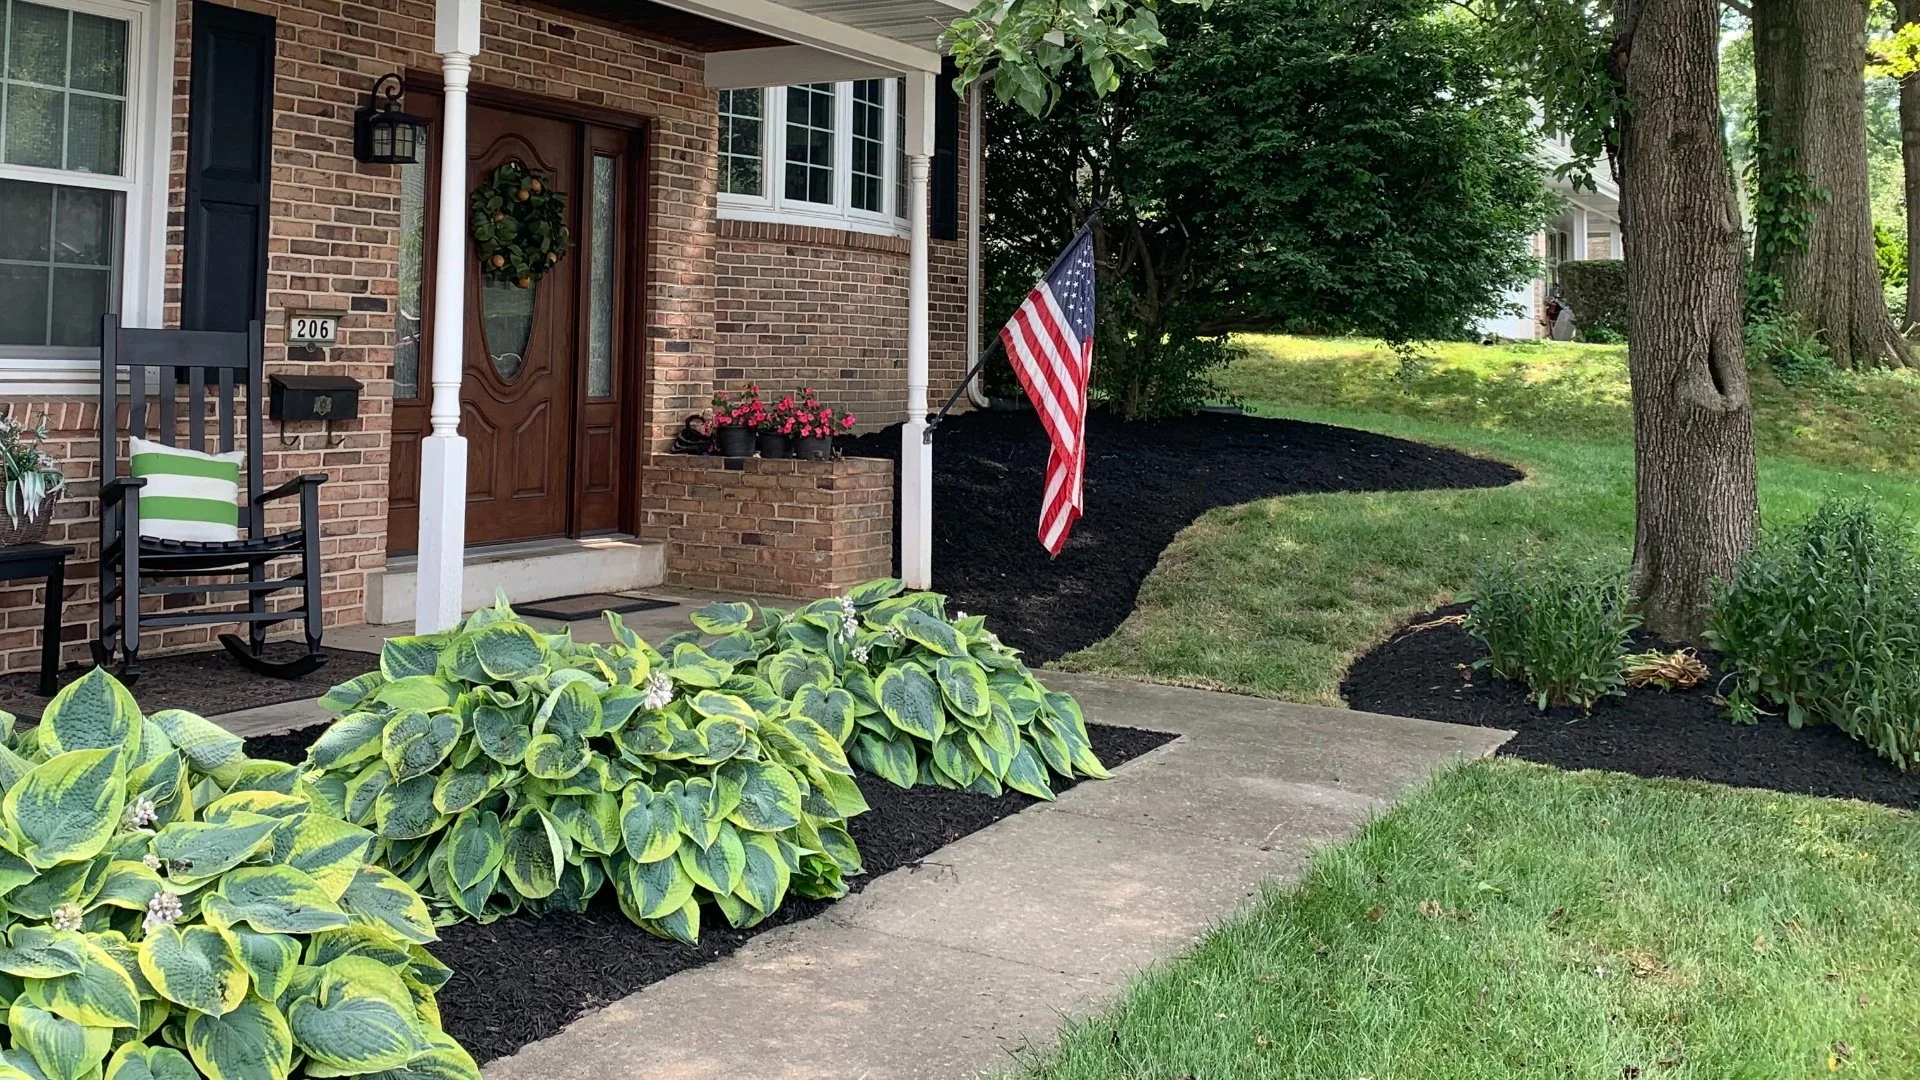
(1558, 626)
(915, 697)
(176, 910)
(1821, 622)
(507, 769)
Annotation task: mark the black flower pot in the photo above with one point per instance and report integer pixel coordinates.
(775, 446)
(735, 441)
(813, 448)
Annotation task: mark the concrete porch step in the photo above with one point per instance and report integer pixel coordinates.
(535, 570)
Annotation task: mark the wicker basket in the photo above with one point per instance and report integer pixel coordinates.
(30, 530)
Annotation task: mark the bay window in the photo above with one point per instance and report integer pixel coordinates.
(815, 154)
(79, 223)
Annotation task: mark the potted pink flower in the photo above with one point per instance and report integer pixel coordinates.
(776, 429)
(815, 425)
(736, 420)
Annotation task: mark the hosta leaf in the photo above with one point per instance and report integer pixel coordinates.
(736, 648)
(829, 710)
(423, 692)
(137, 1061)
(264, 803)
(936, 634)
(533, 855)
(41, 952)
(818, 741)
(572, 711)
(268, 958)
(362, 793)
(718, 866)
(194, 967)
(723, 738)
(950, 755)
(378, 898)
(859, 683)
(557, 755)
(204, 743)
(68, 883)
(710, 703)
(839, 846)
(892, 760)
(1052, 748)
(964, 684)
(65, 809)
(693, 667)
(651, 890)
(405, 810)
(723, 618)
(593, 821)
(250, 1043)
(474, 847)
(993, 760)
(911, 700)
(273, 900)
(443, 1059)
(327, 849)
(415, 742)
(198, 851)
(503, 733)
(351, 693)
(93, 712)
(649, 824)
(843, 795)
(360, 1022)
(763, 880)
(1027, 773)
(100, 994)
(458, 789)
(693, 806)
(403, 656)
(63, 1049)
(792, 669)
(872, 592)
(769, 797)
(509, 650)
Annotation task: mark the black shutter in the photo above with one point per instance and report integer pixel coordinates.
(229, 169)
(944, 219)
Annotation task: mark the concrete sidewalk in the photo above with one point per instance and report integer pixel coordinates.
(956, 967)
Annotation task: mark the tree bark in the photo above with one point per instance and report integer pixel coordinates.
(1908, 11)
(1809, 59)
(1695, 506)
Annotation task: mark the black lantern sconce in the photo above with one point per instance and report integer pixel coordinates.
(382, 134)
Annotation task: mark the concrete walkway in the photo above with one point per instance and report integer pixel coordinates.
(957, 967)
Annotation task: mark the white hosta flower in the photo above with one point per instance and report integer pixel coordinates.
(142, 813)
(959, 616)
(162, 910)
(67, 917)
(846, 605)
(849, 627)
(659, 691)
(150, 860)
(860, 653)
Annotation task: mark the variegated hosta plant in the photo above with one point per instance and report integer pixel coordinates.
(915, 697)
(506, 768)
(175, 909)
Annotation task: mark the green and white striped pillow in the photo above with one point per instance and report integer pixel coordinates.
(189, 495)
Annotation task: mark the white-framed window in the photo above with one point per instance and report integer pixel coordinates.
(83, 123)
(816, 154)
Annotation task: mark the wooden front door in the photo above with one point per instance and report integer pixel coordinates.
(549, 381)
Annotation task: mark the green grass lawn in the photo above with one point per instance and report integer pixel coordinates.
(1510, 920)
(1276, 597)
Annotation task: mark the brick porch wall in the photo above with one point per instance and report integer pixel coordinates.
(333, 245)
(804, 529)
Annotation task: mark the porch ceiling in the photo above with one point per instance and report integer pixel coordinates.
(661, 21)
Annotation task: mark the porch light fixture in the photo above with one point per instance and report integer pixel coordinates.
(382, 134)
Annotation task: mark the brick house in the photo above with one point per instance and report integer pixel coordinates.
(759, 191)
(1587, 227)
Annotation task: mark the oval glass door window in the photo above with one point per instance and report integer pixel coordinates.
(507, 320)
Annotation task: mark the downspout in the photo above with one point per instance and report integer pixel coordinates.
(975, 392)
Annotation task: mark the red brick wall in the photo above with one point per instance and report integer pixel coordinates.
(808, 306)
(771, 527)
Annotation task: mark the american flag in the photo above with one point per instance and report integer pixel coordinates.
(1050, 340)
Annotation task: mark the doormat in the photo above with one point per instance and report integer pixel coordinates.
(589, 606)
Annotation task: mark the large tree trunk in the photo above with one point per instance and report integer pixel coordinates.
(1809, 59)
(1908, 11)
(1693, 424)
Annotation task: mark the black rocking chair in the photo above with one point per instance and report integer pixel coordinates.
(131, 565)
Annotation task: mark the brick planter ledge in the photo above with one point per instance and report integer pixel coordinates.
(802, 529)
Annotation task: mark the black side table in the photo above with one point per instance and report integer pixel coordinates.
(42, 561)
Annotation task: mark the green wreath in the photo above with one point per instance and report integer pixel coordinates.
(519, 225)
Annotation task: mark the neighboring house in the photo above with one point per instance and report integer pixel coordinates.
(193, 164)
(1587, 228)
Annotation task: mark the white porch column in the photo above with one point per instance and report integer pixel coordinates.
(1581, 234)
(443, 453)
(916, 456)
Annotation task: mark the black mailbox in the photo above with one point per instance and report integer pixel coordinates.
(313, 397)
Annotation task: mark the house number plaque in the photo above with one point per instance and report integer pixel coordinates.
(313, 329)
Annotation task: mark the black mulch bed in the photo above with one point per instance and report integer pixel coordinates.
(1144, 483)
(522, 979)
(1683, 734)
(207, 683)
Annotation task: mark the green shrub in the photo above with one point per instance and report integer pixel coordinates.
(158, 882)
(1558, 626)
(1822, 622)
(1596, 290)
(504, 768)
(1795, 356)
(915, 696)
